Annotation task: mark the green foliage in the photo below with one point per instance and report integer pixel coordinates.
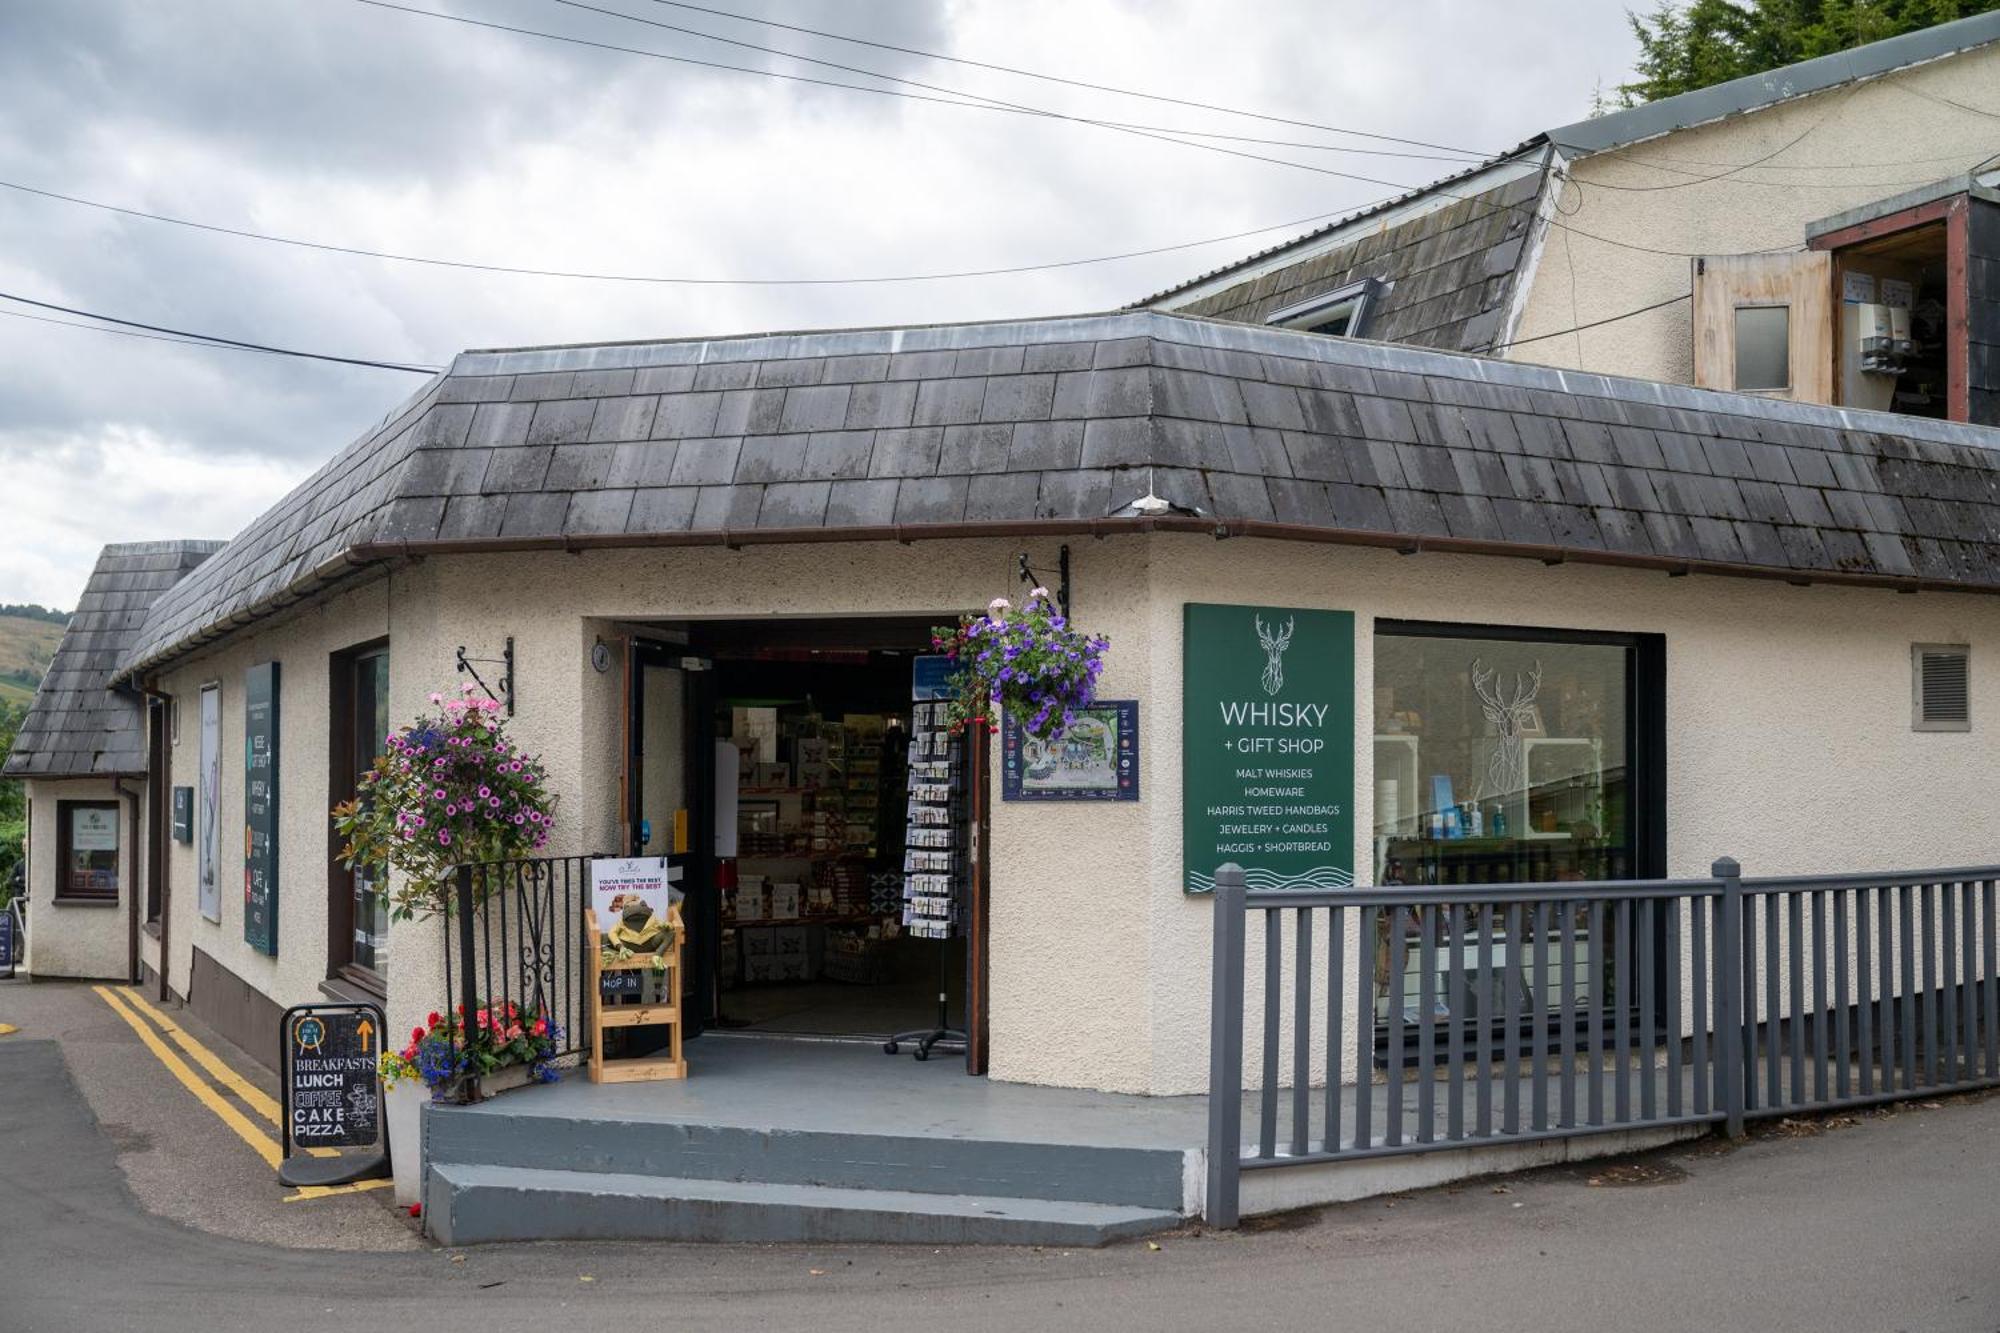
(1685, 47)
(34, 611)
(448, 790)
(13, 805)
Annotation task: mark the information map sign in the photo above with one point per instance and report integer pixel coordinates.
(1267, 746)
(260, 808)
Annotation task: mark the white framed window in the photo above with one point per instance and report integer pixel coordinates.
(1940, 687)
(1340, 313)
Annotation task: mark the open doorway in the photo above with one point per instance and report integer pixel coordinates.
(1893, 343)
(770, 759)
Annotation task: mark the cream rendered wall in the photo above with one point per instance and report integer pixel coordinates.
(1788, 723)
(78, 939)
(1789, 742)
(302, 641)
(1861, 143)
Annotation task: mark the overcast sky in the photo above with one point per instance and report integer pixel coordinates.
(342, 122)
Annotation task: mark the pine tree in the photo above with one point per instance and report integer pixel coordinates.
(1684, 47)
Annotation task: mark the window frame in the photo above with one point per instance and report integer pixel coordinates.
(1736, 346)
(1920, 723)
(1300, 315)
(65, 849)
(1645, 714)
(343, 744)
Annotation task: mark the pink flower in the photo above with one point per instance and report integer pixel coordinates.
(436, 698)
(484, 793)
(444, 837)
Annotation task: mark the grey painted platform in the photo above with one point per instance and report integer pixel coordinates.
(484, 1203)
(764, 1083)
(777, 1140)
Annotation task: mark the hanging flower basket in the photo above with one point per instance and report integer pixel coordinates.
(1026, 662)
(450, 789)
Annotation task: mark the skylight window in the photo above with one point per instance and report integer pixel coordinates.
(1341, 313)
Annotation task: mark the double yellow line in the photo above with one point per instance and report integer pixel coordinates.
(129, 1005)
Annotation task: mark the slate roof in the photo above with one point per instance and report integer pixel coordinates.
(76, 726)
(1451, 270)
(1062, 424)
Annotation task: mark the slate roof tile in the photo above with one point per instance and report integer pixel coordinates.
(906, 453)
(982, 448)
(561, 422)
(930, 500)
(596, 512)
(661, 509)
(862, 504)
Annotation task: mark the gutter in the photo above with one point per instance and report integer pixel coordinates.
(366, 554)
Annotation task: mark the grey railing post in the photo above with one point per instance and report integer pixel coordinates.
(1728, 970)
(1225, 1050)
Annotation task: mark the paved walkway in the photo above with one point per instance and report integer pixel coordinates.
(1879, 1222)
(180, 1157)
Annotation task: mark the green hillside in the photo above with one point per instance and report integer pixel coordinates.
(27, 645)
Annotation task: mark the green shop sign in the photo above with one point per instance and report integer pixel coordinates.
(1267, 746)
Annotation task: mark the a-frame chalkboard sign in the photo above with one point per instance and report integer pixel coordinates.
(330, 1093)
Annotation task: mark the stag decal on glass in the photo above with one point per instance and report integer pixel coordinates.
(1274, 646)
(1512, 715)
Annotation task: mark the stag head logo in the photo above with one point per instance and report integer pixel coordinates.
(1274, 645)
(1510, 713)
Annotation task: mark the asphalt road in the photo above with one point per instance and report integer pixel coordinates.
(1886, 1222)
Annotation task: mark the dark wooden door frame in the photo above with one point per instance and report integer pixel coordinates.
(700, 911)
(342, 772)
(1955, 212)
(979, 894)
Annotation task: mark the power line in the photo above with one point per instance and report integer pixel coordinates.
(122, 333)
(214, 340)
(1595, 323)
(440, 262)
(972, 101)
(1073, 83)
(1400, 187)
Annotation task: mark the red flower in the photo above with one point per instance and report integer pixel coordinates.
(416, 1034)
(541, 1027)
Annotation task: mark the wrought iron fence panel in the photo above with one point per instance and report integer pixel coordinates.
(515, 934)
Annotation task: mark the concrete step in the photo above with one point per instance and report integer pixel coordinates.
(468, 1204)
(489, 1135)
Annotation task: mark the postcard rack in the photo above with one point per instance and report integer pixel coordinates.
(666, 1011)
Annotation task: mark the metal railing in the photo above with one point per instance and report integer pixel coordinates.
(1511, 1013)
(515, 933)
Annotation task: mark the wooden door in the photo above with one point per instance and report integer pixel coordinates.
(1765, 324)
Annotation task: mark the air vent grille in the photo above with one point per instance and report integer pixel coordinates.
(1942, 687)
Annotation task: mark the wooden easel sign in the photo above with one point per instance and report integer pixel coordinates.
(634, 932)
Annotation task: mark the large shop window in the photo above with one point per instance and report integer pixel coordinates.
(87, 851)
(1507, 756)
(1513, 756)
